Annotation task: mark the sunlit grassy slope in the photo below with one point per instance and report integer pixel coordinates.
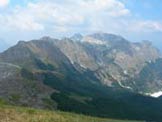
(21, 114)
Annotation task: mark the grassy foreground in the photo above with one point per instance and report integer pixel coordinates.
(21, 114)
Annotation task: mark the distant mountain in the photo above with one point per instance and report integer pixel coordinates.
(3, 45)
(99, 74)
(77, 37)
(158, 44)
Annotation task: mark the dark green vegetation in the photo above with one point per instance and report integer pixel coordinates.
(103, 102)
(80, 94)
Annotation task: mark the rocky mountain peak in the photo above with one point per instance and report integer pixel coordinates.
(77, 37)
(22, 43)
(107, 37)
(110, 57)
(46, 38)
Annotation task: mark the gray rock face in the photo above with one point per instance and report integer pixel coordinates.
(120, 60)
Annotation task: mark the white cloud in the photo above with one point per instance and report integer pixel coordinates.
(19, 22)
(55, 13)
(75, 16)
(145, 26)
(4, 3)
(112, 8)
(71, 13)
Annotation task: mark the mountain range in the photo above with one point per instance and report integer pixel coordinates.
(98, 74)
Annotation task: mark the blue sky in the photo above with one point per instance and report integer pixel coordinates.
(146, 9)
(136, 20)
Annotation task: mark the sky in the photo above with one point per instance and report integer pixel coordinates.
(136, 20)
